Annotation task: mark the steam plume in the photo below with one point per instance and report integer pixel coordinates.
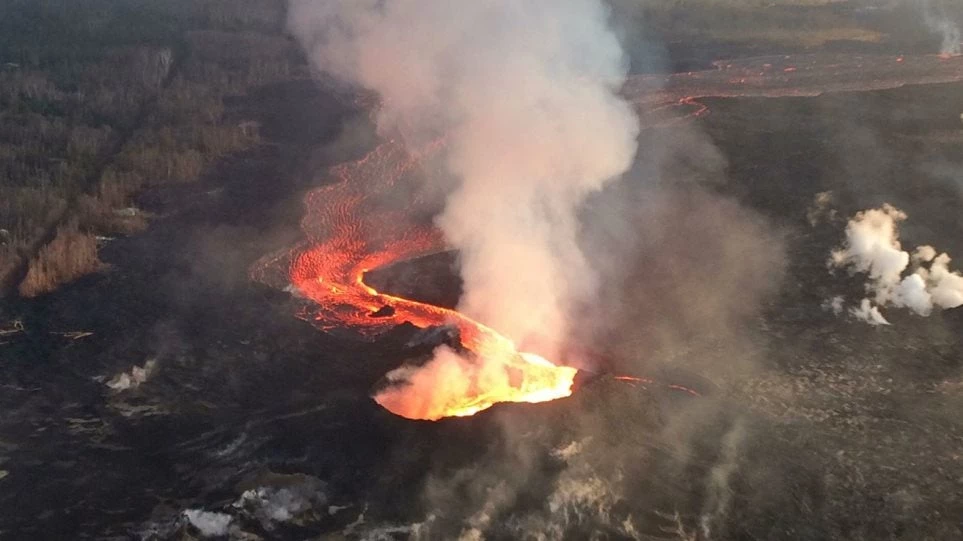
(526, 94)
(872, 246)
(935, 17)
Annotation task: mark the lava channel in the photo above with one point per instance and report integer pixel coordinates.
(803, 75)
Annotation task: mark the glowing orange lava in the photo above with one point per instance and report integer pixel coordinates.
(354, 225)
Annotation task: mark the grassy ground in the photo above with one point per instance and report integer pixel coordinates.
(117, 97)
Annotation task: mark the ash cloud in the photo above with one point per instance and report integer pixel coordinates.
(526, 96)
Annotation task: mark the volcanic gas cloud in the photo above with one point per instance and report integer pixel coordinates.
(524, 95)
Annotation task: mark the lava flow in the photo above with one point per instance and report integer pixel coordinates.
(804, 75)
(353, 227)
(354, 224)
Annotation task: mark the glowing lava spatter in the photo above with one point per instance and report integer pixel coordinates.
(354, 225)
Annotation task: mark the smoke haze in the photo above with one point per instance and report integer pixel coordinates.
(939, 22)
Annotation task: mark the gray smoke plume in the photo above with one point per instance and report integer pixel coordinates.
(939, 22)
(526, 94)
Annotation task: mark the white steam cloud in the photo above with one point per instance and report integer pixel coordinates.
(209, 524)
(872, 247)
(526, 94)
